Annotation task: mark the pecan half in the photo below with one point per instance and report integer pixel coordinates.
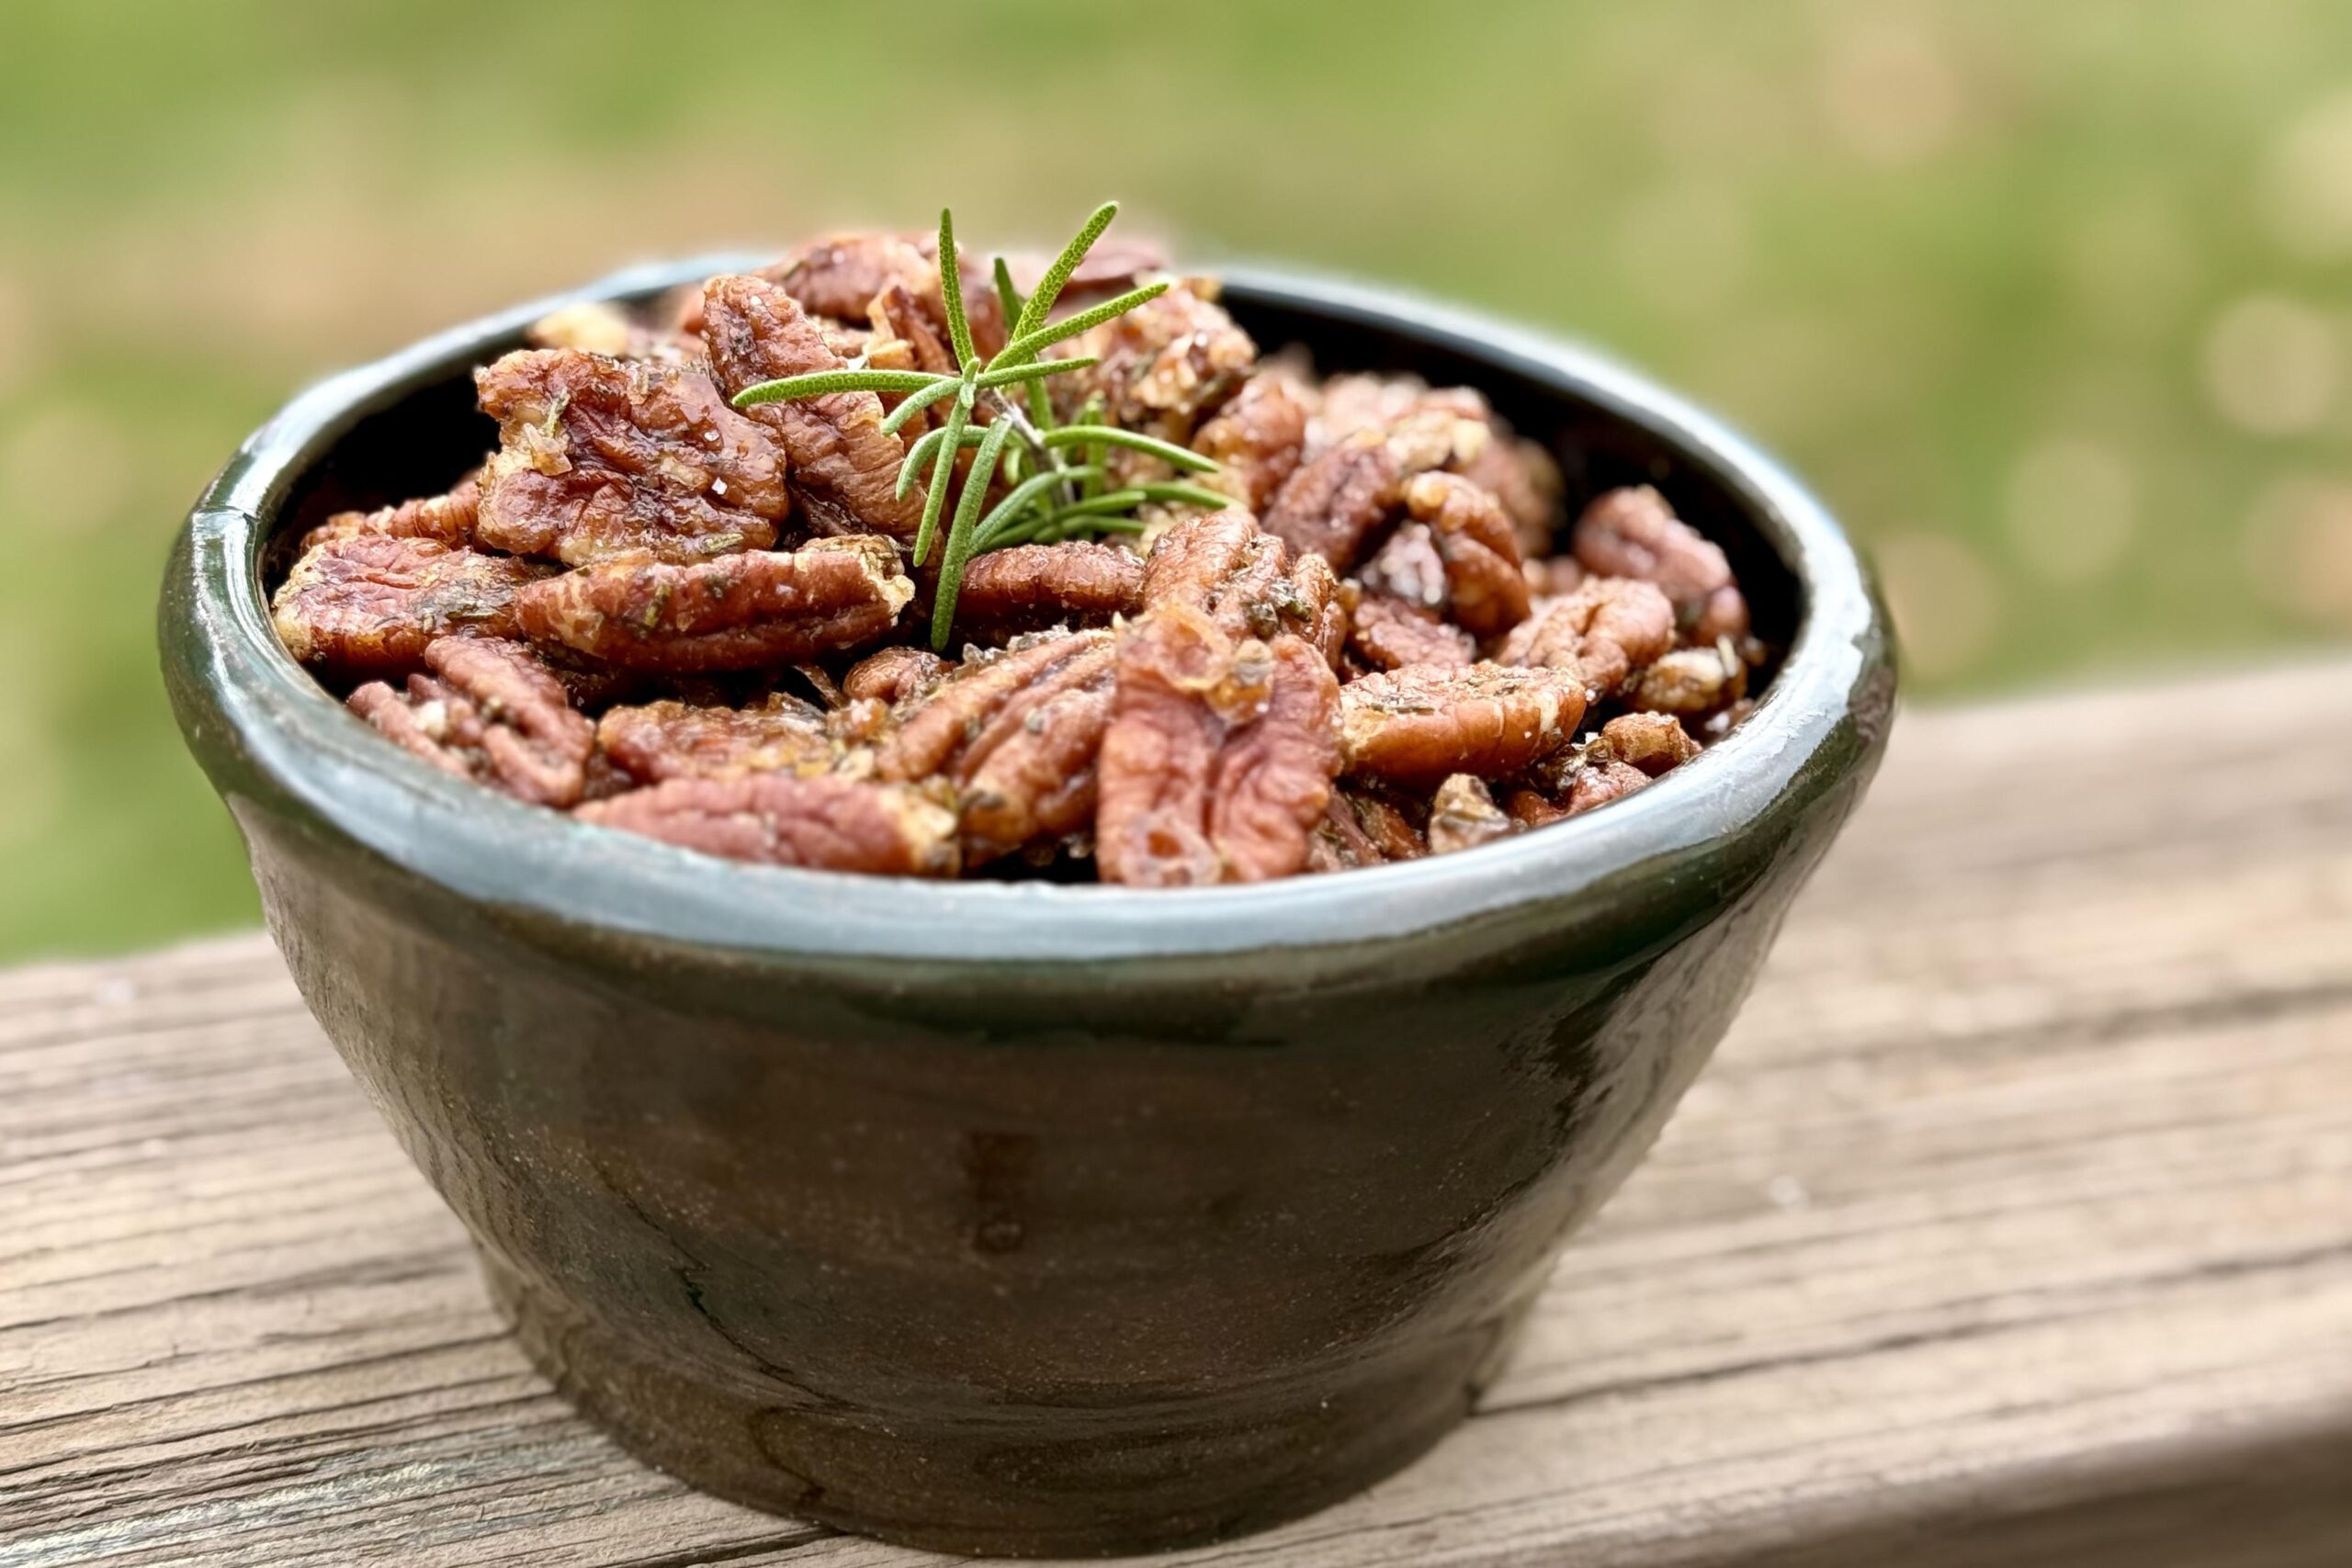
(739, 612)
(1388, 633)
(1029, 587)
(1463, 814)
(1415, 726)
(595, 326)
(1633, 532)
(1257, 439)
(1693, 681)
(1334, 502)
(1525, 479)
(825, 821)
(671, 740)
(1631, 750)
(1220, 754)
(1223, 565)
(490, 712)
(1017, 735)
(1486, 594)
(368, 603)
(1608, 628)
(1164, 364)
(841, 276)
(845, 468)
(892, 674)
(600, 458)
(444, 519)
(1366, 825)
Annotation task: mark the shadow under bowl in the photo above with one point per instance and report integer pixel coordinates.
(1015, 1217)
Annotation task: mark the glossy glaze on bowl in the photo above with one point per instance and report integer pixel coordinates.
(1015, 1217)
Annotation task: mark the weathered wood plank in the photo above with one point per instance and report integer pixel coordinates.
(2013, 1227)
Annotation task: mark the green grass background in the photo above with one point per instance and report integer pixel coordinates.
(2048, 298)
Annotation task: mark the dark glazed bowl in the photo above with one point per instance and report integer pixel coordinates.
(1008, 1217)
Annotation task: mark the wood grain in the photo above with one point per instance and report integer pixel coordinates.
(2014, 1225)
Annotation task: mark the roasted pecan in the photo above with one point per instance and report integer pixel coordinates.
(444, 519)
(1387, 632)
(842, 274)
(1415, 726)
(897, 313)
(368, 603)
(1633, 532)
(1335, 503)
(1164, 364)
(671, 740)
(739, 612)
(1223, 565)
(1631, 750)
(1029, 587)
(1365, 825)
(1017, 735)
(1112, 267)
(1486, 595)
(601, 457)
(824, 821)
(893, 675)
(1608, 628)
(1463, 814)
(844, 469)
(598, 327)
(1523, 477)
(1220, 755)
(1256, 439)
(1654, 742)
(1693, 681)
(1552, 577)
(490, 712)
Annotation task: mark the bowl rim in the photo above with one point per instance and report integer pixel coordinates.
(485, 847)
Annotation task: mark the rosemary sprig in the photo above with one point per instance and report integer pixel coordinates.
(1047, 495)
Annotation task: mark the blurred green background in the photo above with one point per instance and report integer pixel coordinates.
(2049, 297)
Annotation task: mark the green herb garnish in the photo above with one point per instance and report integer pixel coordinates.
(1048, 496)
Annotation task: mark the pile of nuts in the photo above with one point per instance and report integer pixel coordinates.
(660, 614)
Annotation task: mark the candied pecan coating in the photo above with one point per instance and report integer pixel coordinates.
(1608, 628)
(1257, 439)
(1164, 364)
(1631, 750)
(1387, 632)
(1463, 814)
(1016, 735)
(893, 675)
(490, 711)
(1633, 532)
(444, 519)
(843, 468)
(1486, 593)
(1693, 681)
(824, 821)
(1221, 754)
(739, 612)
(600, 458)
(671, 740)
(367, 603)
(1415, 726)
(1029, 587)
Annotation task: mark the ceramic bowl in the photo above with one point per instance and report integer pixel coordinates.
(1013, 1217)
